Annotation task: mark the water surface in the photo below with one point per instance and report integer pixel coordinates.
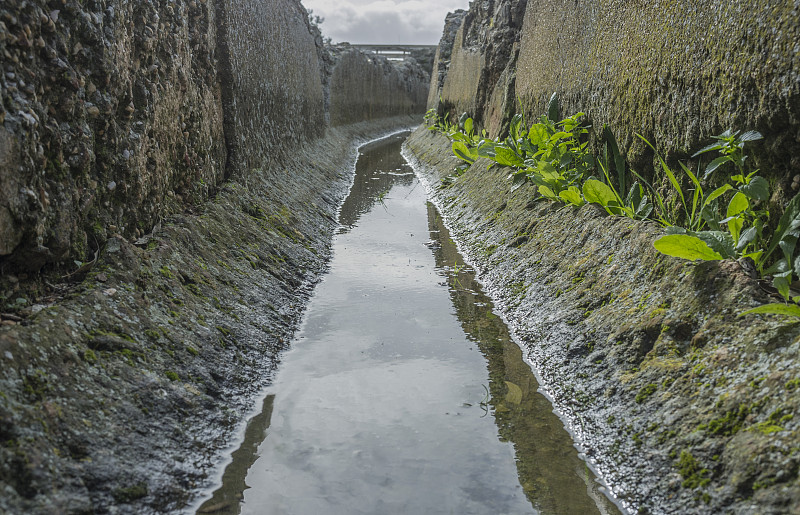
(403, 392)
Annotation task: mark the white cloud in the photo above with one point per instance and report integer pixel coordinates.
(384, 21)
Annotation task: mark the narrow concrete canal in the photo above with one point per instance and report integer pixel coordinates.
(403, 393)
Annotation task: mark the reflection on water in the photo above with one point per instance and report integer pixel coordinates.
(548, 466)
(378, 169)
(384, 404)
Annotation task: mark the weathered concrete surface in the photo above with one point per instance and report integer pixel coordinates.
(441, 61)
(272, 80)
(479, 78)
(683, 406)
(110, 114)
(116, 113)
(364, 86)
(676, 72)
(119, 398)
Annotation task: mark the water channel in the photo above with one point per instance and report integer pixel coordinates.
(403, 392)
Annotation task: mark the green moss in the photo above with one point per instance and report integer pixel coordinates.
(793, 384)
(191, 350)
(693, 474)
(165, 272)
(116, 333)
(729, 424)
(224, 331)
(646, 392)
(89, 356)
(172, 376)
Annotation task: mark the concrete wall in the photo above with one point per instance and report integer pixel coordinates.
(274, 97)
(475, 66)
(675, 72)
(110, 111)
(367, 87)
(115, 113)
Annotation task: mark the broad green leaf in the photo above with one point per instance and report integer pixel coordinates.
(781, 282)
(598, 192)
(750, 136)
(716, 163)
(559, 136)
(709, 148)
(507, 157)
(572, 196)
(757, 189)
(644, 208)
(719, 241)
(685, 246)
(468, 124)
(774, 309)
(538, 135)
(548, 193)
(518, 181)
(487, 149)
(745, 238)
(717, 193)
(463, 152)
(738, 204)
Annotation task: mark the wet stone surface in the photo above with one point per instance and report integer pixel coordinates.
(403, 392)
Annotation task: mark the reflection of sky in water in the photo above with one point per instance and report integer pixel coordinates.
(378, 406)
(379, 167)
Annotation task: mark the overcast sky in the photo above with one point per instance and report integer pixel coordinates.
(418, 22)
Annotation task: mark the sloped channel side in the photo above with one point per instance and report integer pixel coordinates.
(683, 406)
(120, 397)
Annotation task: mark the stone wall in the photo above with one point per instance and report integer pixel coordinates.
(110, 111)
(272, 85)
(674, 72)
(115, 113)
(479, 78)
(364, 86)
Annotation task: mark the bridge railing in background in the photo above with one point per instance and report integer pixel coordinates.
(394, 52)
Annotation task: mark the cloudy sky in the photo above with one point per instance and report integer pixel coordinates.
(417, 22)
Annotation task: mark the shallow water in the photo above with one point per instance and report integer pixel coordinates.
(403, 392)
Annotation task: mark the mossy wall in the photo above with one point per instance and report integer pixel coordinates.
(676, 72)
